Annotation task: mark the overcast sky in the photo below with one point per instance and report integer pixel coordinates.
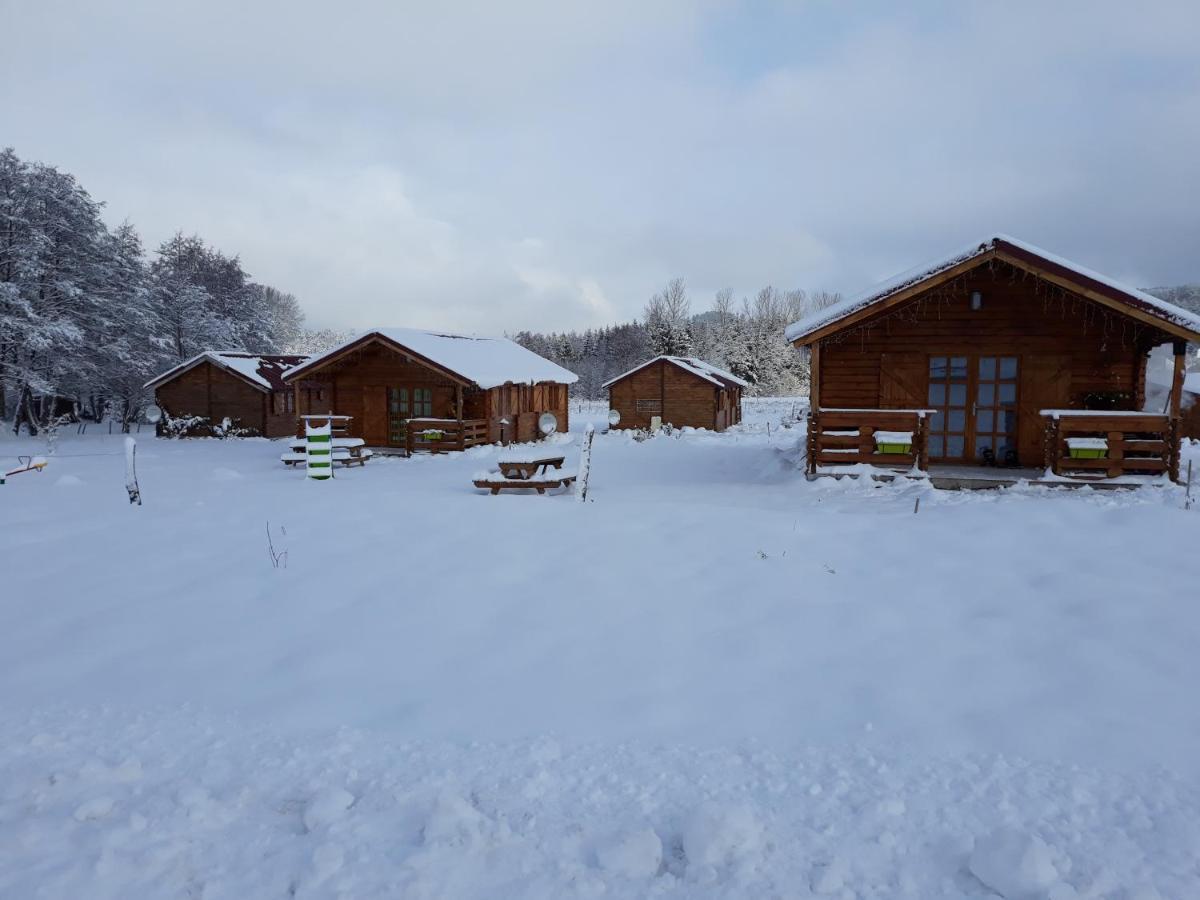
(495, 166)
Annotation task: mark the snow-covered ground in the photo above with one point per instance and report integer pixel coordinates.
(713, 679)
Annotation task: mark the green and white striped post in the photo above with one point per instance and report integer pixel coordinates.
(318, 449)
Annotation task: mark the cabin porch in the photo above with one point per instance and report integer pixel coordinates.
(1113, 448)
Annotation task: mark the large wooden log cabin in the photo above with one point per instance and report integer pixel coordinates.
(413, 390)
(1000, 355)
(676, 390)
(246, 388)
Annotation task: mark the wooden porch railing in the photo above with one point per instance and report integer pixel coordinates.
(847, 437)
(1135, 443)
(441, 435)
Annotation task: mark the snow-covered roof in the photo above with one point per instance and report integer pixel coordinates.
(485, 361)
(263, 370)
(697, 367)
(1167, 312)
(1164, 376)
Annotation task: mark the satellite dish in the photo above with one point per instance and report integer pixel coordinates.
(548, 423)
(153, 414)
(614, 417)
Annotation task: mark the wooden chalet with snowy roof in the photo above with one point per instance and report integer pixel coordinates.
(999, 357)
(676, 390)
(246, 388)
(412, 390)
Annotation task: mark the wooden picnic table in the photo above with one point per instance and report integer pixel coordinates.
(525, 469)
(346, 450)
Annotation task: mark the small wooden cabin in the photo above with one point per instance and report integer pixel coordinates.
(1001, 354)
(246, 388)
(414, 389)
(676, 390)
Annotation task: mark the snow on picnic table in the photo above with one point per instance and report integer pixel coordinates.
(717, 679)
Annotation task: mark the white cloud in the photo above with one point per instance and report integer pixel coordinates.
(545, 165)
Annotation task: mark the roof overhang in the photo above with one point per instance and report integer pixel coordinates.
(717, 378)
(1126, 301)
(209, 357)
(318, 363)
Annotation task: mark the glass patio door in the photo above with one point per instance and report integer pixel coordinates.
(975, 398)
(398, 416)
(406, 403)
(949, 391)
(995, 410)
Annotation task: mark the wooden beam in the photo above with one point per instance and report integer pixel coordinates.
(1125, 309)
(893, 300)
(814, 377)
(1067, 283)
(1180, 348)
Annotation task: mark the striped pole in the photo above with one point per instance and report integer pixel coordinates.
(318, 449)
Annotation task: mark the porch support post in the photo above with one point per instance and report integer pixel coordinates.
(814, 426)
(1180, 348)
(922, 444)
(1174, 433)
(814, 376)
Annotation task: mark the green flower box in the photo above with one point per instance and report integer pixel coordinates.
(1087, 448)
(432, 435)
(898, 443)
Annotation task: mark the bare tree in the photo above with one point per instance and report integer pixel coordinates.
(668, 320)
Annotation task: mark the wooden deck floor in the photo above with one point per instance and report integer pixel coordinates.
(974, 478)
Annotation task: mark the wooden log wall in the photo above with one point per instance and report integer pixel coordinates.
(678, 397)
(209, 391)
(357, 385)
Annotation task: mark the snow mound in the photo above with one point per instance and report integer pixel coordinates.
(68, 481)
(1015, 864)
(327, 807)
(717, 835)
(96, 808)
(637, 854)
(453, 821)
(223, 474)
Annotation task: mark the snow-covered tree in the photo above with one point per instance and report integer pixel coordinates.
(668, 320)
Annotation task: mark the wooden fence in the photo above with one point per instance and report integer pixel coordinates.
(1136, 443)
(843, 437)
(442, 435)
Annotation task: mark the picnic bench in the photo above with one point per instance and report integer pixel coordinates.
(526, 473)
(498, 481)
(348, 451)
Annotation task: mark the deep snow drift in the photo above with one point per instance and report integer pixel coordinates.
(714, 679)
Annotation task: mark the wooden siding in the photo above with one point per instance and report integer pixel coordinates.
(209, 391)
(677, 396)
(1068, 347)
(357, 385)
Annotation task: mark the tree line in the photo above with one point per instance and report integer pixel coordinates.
(745, 338)
(87, 316)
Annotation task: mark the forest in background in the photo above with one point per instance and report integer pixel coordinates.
(87, 315)
(744, 338)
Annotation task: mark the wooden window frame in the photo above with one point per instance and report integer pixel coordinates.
(970, 432)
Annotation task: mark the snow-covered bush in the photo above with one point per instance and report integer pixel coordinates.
(185, 426)
(200, 426)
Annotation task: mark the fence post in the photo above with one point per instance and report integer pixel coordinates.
(922, 442)
(813, 429)
(1173, 451)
